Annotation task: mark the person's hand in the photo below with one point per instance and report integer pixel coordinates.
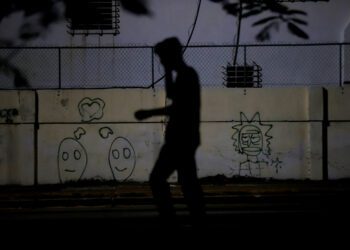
(141, 114)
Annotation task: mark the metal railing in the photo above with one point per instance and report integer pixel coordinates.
(137, 67)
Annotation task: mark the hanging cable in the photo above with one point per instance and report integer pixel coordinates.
(193, 25)
(238, 32)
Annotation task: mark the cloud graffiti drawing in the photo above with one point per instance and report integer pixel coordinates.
(91, 109)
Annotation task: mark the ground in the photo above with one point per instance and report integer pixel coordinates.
(236, 209)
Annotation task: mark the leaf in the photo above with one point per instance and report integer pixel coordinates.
(297, 31)
(264, 20)
(251, 13)
(251, 5)
(138, 7)
(231, 8)
(29, 35)
(264, 34)
(277, 7)
(19, 80)
(292, 12)
(296, 20)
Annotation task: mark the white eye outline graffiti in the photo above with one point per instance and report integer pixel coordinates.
(128, 153)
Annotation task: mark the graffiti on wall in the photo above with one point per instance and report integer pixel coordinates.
(8, 114)
(252, 139)
(91, 109)
(121, 155)
(73, 159)
(72, 156)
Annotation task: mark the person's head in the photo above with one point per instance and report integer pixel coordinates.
(169, 52)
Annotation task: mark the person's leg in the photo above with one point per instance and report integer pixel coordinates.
(191, 188)
(160, 187)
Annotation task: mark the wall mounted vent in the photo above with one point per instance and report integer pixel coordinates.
(242, 76)
(98, 17)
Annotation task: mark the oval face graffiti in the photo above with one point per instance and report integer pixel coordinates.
(122, 159)
(72, 160)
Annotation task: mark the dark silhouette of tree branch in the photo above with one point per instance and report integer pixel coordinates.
(137, 7)
(280, 14)
(46, 13)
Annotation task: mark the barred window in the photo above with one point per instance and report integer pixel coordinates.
(99, 17)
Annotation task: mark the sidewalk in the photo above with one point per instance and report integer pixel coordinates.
(245, 209)
(215, 189)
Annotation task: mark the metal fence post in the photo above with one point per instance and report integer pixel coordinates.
(59, 69)
(340, 65)
(152, 65)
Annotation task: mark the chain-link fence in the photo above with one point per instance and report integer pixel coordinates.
(138, 67)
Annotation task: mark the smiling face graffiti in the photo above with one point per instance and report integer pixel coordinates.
(122, 159)
(72, 160)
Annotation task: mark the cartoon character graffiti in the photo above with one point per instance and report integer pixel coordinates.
(72, 158)
(251, 138)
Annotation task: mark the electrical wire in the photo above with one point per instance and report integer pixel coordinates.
(193, 25)
(239, 22)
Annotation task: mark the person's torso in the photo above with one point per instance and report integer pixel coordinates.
(184, 116)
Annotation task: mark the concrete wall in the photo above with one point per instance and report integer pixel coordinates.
(17, 117)
(346, 54)
(284, 121)
(92, 134)
(339, 133)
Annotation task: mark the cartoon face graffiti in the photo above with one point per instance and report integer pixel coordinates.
(250, 140)
(72, 160)
(122, 159)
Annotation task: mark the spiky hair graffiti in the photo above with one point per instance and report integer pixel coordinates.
(251, 137)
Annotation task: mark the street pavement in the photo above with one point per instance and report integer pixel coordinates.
(242, 210)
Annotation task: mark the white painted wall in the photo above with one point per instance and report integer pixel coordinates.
(222, 109)
(17, 137)
(94, 120)
(346, 53)
(290, 111)
(92, 134)
(338, 133)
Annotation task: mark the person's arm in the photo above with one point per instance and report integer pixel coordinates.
(144, 114)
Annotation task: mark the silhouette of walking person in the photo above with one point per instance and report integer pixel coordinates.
(182, 136)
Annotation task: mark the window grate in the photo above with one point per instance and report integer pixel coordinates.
(99, 17)
(246, 76)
